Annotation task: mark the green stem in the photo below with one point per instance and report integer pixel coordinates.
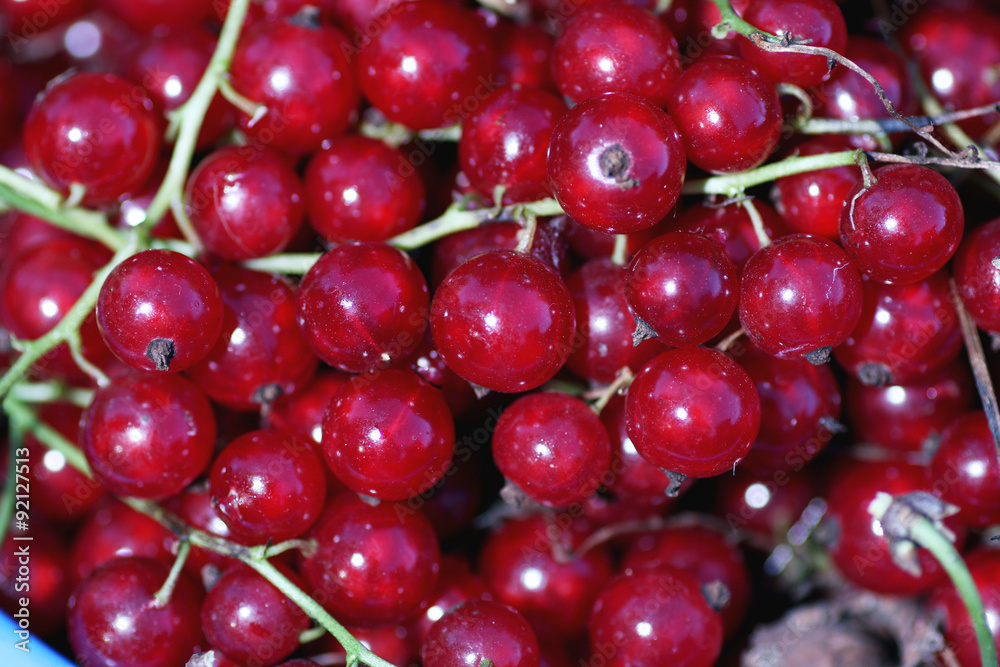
(65, 329)
(293, 264)
(734, 184)
(733, 22)
(162, 596)
(51, 392)
(45, 434)
(41, 201)
(355, 649)
(192, 113)
(922, 531)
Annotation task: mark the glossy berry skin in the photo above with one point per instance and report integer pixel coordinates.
(360, 189)
(523, 54)
(96, 130)
(817, 20)
(799, 294)
(504, 143)
(148, 436)
(244, 203)
(363, 306)
(964, 470)
(633, 478)
(616, 163)
(169, 68)
(704, 552)
(959, 635)
(39, 286)
(902, 417)
(456, 584)
(522, 570)
(260, 354)
(194, 507)
(552, 447)
(763, 507)
(159, 310)
(731, 226)
(300, 74)
(115, 530)
(905, 226)
(905, 333)
(799, 405)
(504, 320)
(616, 48)
(977, 279)
(812, 202)
(478, 631)
(860, 551)
(388, 435)
(605, 324)
(249, 620)
(683, 286)
(728, 114)
(112, 619)
(454, 249)
(145, 15)
(373, 565)
(302, 413)
(692, 411)
(429, 66)
(268, 485)
(656, 616)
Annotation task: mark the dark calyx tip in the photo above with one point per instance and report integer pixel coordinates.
(676, 481)
(616, 164)
(716, 594)
(874, 375)
(161, 351)
(820, 356)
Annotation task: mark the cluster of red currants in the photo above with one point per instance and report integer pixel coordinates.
(416, 317)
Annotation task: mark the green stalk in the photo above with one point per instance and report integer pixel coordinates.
(732, 185)
(192, 113)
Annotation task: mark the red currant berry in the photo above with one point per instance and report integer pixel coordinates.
(302, 413)
(964, 470)
(250, 620)
(903, 417)
(268, 485)
(977, 277)
(478, 632)
(633, 478)
(903, 227)
(616, 163)
(145, 15)
(504, 143)
(260, 354)
(360, 189)
(605, 324)
(819, 21)
(552, 447)
(763, 507)
(504, 320)
(693, 411)
(304, 79)
(616, 47)
(812, 202)
(159, 311)
(96, 131)
(846, 94)
(905, 333)
(372, 565)
(457, 584)
(520, 566)
(728, 114)
(46, 578)
(731, 226)
(147, 435)
(388, 435)
(363, 306)
(233, 190)
(114, 619)
(655, 616)
(684, 287)
(429, 65)
(115, 530)
(799, 295)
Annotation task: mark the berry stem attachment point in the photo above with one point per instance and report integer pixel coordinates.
(758, 223)
(619, 256)
(905, 522)
(622, 380)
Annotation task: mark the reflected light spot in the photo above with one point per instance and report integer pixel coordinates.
(976, 469)
(681, 413)
(173, 86)
(943, 80)
(350, 195)
(49, 307)
(629, 447)
(75, 134)
(813, 190)
(895, 395)
(357, 560)
(892, 224)
(787, 295)
(757, 495)
(491, 321)
(257, 484)
(123, 623)
(882, 316)
(713, 117)
(670, 288)
(511, 146)
(644, 629)
(238, 336)
(435, 612)
(83, 39)
(599, 325)
(146, 309)
(54, 460)
(532, 579)
(877, 527)
(375, 435)
(606, 65)
(134, 434)
(281, 79)
(543, 450)
(409, 65)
